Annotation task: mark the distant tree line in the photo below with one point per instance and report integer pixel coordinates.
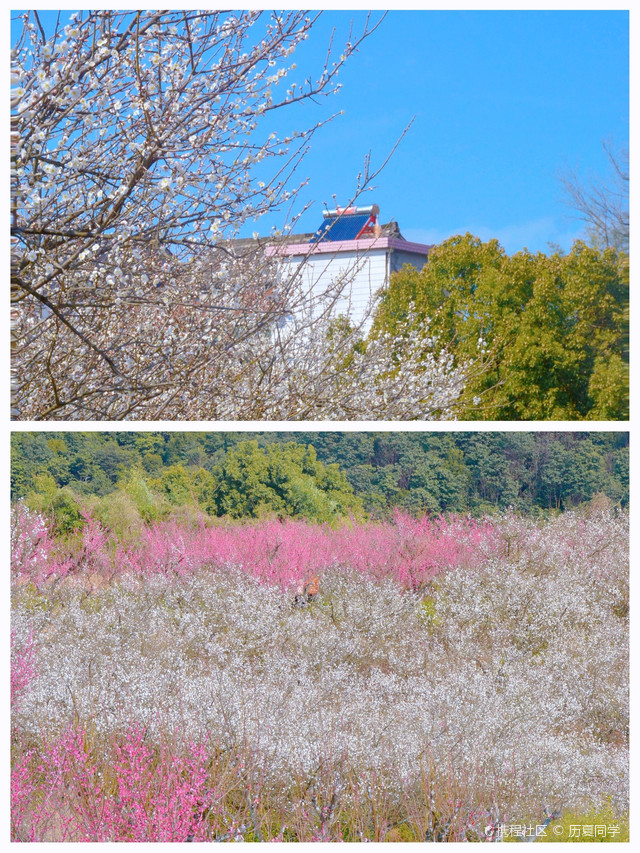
(322, 476)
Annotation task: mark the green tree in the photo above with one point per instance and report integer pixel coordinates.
(151, 505)
(61, 505)
(323, 475)
(176, 485)
(285, 480)
(553, 328)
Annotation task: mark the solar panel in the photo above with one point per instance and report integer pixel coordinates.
(346, 227)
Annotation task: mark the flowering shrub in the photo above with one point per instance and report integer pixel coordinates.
(33, 549)
(412, 551)
(137, 796)
(409, 705)
(22, 666)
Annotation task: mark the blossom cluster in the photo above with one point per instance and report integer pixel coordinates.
(279, 552)
(142, 143)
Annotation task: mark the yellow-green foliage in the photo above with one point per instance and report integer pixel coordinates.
(188, 515)
(604, 816)
(554, 327)
(152, 505)
(428, 612)
(61, 504)
(91, 604)
(119, 514)
(402, 832)
(32, 600)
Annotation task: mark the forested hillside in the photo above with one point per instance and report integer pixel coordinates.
(321, 475)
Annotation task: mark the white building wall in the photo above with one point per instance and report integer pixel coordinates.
(357, 276)
(353, 270)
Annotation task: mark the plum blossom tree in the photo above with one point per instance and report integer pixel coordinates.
(142, 143)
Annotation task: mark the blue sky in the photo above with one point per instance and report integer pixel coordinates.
(503, 103)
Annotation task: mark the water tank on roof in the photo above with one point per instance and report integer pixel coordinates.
(351, 211)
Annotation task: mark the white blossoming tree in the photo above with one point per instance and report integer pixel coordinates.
(142, 143)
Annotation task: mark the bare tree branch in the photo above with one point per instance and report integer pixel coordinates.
(603, 205)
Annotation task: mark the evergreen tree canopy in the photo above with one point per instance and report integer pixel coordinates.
(554, 327)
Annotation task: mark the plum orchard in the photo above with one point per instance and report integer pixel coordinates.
(448, 675)
(142, 143)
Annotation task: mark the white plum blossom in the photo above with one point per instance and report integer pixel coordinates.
(506, 683)
(134, 169)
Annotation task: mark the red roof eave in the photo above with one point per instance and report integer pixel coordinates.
(336, 246)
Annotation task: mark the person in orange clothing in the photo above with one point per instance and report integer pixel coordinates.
(306, 591)
(312, 589)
